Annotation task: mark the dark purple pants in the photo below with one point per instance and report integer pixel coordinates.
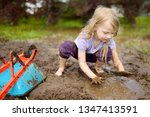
(69, 48)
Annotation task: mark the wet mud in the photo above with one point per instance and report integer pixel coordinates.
(74, 84)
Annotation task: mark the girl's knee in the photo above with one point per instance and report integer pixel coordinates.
(67, 49)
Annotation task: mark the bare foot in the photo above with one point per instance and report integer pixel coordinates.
(98, 67)
(59, 72)
(99, 70)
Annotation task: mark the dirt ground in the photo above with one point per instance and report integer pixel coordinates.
(74, 84)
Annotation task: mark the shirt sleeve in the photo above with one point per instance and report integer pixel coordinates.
(81, 44)
(112, 44)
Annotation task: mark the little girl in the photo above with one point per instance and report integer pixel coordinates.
(94, 44)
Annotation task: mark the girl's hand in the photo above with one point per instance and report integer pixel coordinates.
(122, 73)
(97, 80)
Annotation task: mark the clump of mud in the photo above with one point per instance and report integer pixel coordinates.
(74, 84)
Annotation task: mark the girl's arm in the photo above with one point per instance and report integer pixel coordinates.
(83, 65)
(116, 60)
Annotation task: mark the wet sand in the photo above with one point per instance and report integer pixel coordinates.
(74, 84)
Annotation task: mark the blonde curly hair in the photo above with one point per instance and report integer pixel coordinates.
(101, 15)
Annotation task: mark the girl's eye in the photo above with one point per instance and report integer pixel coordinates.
(105, 32)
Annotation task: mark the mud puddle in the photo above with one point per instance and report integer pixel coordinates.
(117, 88)
(74, 84)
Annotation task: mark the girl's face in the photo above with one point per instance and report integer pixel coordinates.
(104, 32)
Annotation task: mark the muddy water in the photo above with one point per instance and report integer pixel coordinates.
(132, 85)
(113, 88)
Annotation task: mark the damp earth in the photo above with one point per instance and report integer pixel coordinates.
(74, 84)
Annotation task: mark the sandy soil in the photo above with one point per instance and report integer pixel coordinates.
(74, 84)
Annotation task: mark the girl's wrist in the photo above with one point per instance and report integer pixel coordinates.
(94, 76)
(121, 69)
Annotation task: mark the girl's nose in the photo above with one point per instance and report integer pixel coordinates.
(109, 36)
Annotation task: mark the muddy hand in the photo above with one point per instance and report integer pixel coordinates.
(123, 73)
(97, 80)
